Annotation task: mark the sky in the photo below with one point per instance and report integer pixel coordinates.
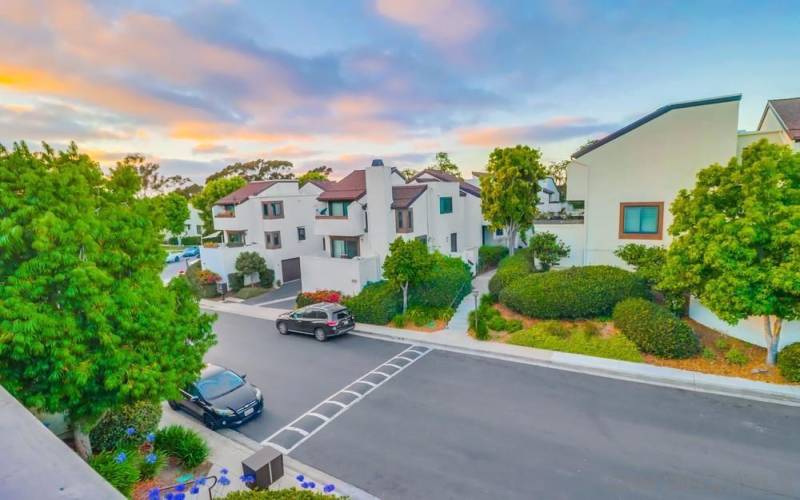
(197, 85)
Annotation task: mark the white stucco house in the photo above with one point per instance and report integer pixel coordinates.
(629, 179)
(359, 216)
(273, 218)
(193, 226)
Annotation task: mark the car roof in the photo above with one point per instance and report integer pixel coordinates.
(324, 306)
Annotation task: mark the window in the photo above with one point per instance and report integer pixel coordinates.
(641, 220)
(236, 237)
(228, 210)
(273, 239)
(301, 233)
(344, 248)
(446, 205)
(199, 229)
(454, 242)
(404, 222)
(337, 208)
(498, 231)
(188, 227)
(272, 209)
(323, 243)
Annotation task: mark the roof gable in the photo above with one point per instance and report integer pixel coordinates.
(652, 116)
(352, 187)
(464, 186)
(244, 193)
(405, 196)
(788, 113)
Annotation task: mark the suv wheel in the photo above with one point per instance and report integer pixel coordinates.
(209, 422)
(282, 328)
(320, 335)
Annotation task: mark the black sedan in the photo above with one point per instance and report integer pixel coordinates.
(221, 398)
(321, 320)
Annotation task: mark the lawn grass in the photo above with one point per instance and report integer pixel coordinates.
(576, 341)
(249, 292)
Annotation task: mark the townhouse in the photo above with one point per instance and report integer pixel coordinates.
(273, 218)
(359, 216)
(629, 179)
(192, 226)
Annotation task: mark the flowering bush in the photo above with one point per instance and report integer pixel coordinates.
(207, 277)
(118, 469)
(113, 429)
(308, 298)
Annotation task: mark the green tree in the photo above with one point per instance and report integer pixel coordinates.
(407, 264)
(189, 191)
(256, 170)
(320, 173)
(175, 210)
(251, 262)
(547, 249)
(510, 190)
(211, 193)
(152, 182)
(443, 163)
(86, 323)
(736, 236)
(648, 262)
(558, 171)
(408, 173)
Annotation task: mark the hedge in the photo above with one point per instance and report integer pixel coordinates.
(287, 494)
(188, 241)
(376, 304)
(267, 278)
(449, 282)
(655, 330)
(110, 432)
(510, 269)
(489, 256)
(577, 292)
(789, 362)
(236, 281)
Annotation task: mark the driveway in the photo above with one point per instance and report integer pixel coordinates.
(437, 424)
(282, 298)
(172, 269)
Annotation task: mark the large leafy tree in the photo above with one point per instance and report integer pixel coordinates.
(152, 181)
(736, 243)
(558, 171)
(256, 170)
(442, 162)
(86, 323)
(321, 173)
(211, 193)
(407, 264)
(510, 190)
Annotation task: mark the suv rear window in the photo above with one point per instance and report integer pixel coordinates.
(344, 313)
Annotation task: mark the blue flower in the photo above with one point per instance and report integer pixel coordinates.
(300, 478)
(169, 496)
(179, 496)
(202, 481)
(312, 485)
(195, 490)
(224, 471)
(304, 485)
(154, 494)
(180, 487)
(224, 481)
(247, 478)
(130, 431)
(121, 456)
(151, 458)
(329, 488)
(150, 437)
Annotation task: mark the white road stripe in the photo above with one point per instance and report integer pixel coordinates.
(359, 397)
(393, 366)
(368, 383)
(408, 359)
(319, 416)
(279, 448)
(376, 372)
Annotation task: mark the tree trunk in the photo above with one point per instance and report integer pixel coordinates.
(512, 239)
(83, 445)
(772, 335)
(405, 297)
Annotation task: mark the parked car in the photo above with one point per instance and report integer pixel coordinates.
(173, 257)
(221, 398)
(191, 252)
(321, 320)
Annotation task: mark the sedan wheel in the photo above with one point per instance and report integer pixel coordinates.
(283, 329)
(174, 405)
(319, 334)
(209, 421)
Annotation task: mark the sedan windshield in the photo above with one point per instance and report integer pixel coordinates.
(218, 384)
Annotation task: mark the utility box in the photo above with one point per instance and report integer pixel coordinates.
(266, 467)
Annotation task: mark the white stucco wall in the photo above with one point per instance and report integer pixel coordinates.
(345, 275)
(650, 164)
(572, 234)
(749, 330)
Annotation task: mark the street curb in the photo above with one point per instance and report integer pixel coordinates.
(621, 370)
(342, 488)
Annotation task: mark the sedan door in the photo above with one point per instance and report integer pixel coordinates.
(191, 401)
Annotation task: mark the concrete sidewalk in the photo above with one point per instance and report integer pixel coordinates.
(229, 448)
(457, 341)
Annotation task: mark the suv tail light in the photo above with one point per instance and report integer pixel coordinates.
(333, 323)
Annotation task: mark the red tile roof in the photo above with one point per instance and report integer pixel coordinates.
(788, 110)
(404, 196)
(445, 177)
(351, 187)
(244, 193)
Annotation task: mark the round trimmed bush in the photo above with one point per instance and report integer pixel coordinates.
(577, 292)
(491, 255)
(655, 330)
(376, 304)
(509, 270)
(449, 282)
(110, 432)
(789, 362)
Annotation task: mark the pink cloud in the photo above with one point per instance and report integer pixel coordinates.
(552, 130)
(447, 22)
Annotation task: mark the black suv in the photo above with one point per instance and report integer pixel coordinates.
(220, 398)
(321, 320)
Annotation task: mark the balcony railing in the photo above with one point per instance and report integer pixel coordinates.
(225, 213)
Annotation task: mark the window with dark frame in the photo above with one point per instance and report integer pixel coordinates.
(404, 220)
(301, 233)
(337, 208)
(641, 220)
(446, 205)
(272, 239)
(454, 242)
(272, 209)
(344, 248)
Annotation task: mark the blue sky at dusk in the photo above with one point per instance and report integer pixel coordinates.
(197, 85)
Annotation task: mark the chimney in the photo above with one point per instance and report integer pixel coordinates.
(377, 162)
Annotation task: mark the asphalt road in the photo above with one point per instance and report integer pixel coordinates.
(457, 426)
